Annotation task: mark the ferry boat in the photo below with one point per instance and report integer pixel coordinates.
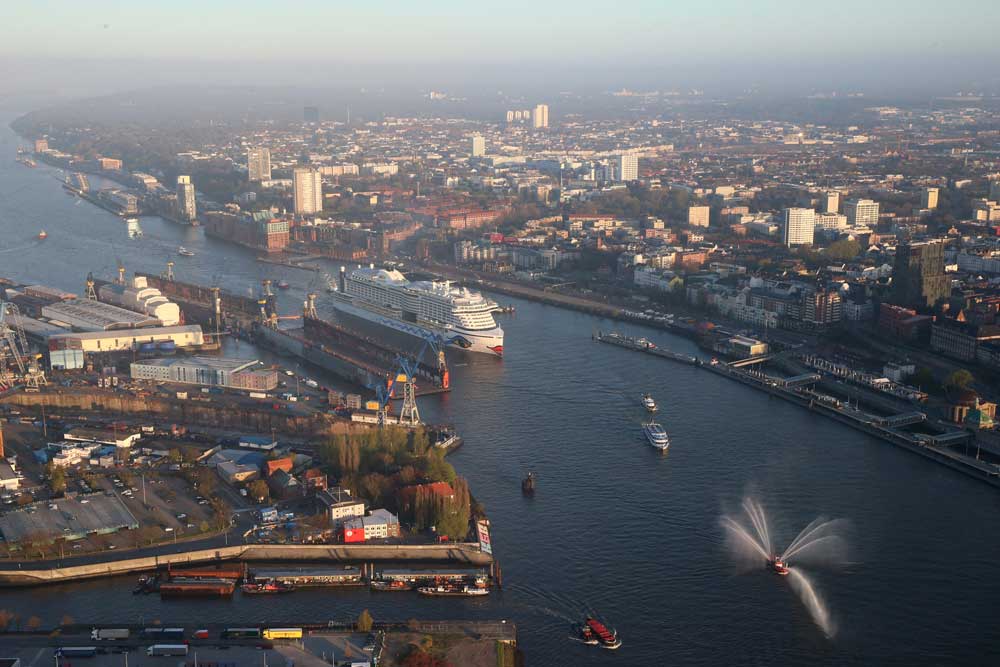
(595, 633)
(42, 235)
(453, 591)
(184, 252)
(649, 403)
(778, 566)
(385, 299)
(656, 435)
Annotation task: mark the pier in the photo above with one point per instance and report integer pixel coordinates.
(798, 390)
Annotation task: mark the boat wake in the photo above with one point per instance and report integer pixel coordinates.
(818, 544)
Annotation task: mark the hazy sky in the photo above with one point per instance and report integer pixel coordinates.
(249, 41)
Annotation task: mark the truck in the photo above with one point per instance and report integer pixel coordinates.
(167, 649)
(283, 633)
(312, 383)
(109, 633)
(257, 394)
(77, 651)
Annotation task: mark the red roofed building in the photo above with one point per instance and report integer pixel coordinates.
(274, 465)
(314, 480)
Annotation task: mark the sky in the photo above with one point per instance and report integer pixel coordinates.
(67, 43)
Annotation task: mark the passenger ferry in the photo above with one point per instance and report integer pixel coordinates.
(656, 435)
(386, 299)
(649, 403)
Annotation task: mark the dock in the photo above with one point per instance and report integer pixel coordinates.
(799, 390)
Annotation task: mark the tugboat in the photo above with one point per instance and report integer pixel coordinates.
(528, 484)
(595, 633)
(42, 235)
(393, 585)
(184, 252)
(267, 587)
(657, 437)
(778, 566)
(649, 403)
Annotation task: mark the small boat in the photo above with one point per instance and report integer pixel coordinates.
(184, 252)
(453, 591)
(42, 235)
(649, 403)
(391, 585)
(268, 587)
(778, 566)
(283, 284)
(656, 435)
(595, 633)
(528, 484)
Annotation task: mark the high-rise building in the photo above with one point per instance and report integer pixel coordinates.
(861, 213)
(831, 202)
(310, 114)
(478, 145)
(626, 167)
(258, 164)
(186, 207)
(918, 278)
(799, 226)
(510, 116)
(929, 198)
(540, 116)
(698, 216)
(307, 185)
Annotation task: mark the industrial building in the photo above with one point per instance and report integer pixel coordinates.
(90, 315)
(68, 518)
(207, 371)
(123, 341)
(141, 298)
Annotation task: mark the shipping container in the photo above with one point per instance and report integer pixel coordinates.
(283, 633)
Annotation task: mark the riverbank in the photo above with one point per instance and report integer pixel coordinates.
(466, 553)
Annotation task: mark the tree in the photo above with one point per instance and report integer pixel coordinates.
(66, 620)
(843, 250)
(259, 490)
(33, 624)
(6, 616)
(960, 379)
(57, 478)
(365, 621)
(175, 456)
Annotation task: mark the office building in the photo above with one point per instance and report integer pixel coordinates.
(861, 213)
(698, 216)
(929, 198)
(308, 190)
(478, 145)
(310, 114)
(626, 167)
(831, 221)
(540, 116)
(186, 208)
(799, 226)
(258, 164)
(831, 202)
(918, 278)
(207, 371)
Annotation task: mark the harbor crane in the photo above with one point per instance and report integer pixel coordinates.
(14, 347)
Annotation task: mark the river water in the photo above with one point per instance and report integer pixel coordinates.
(614, 526)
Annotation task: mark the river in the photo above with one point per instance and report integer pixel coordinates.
(614, 526)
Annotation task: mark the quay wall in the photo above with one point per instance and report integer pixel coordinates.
(462, 553)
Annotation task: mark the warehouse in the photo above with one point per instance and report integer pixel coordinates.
(124, 341)
(67, 518)
(89, 315)
(207, 371)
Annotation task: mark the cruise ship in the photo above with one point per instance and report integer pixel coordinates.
(384, 297)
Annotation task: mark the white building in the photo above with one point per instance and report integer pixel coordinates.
(186, 207)
(929, 198)
(831, 221)
(698, 216)
(258, 164)
(307, 185)
(861, 213)
(540, 116)
(123, 340)
(798, 226)
(478, 145)
(626, 167)
(831, 202)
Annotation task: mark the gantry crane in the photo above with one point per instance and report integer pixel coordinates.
(14, 348)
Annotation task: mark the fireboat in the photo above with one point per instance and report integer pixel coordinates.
(595, 633)
(778, 566)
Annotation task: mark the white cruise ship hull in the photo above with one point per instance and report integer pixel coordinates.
(489, 341)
